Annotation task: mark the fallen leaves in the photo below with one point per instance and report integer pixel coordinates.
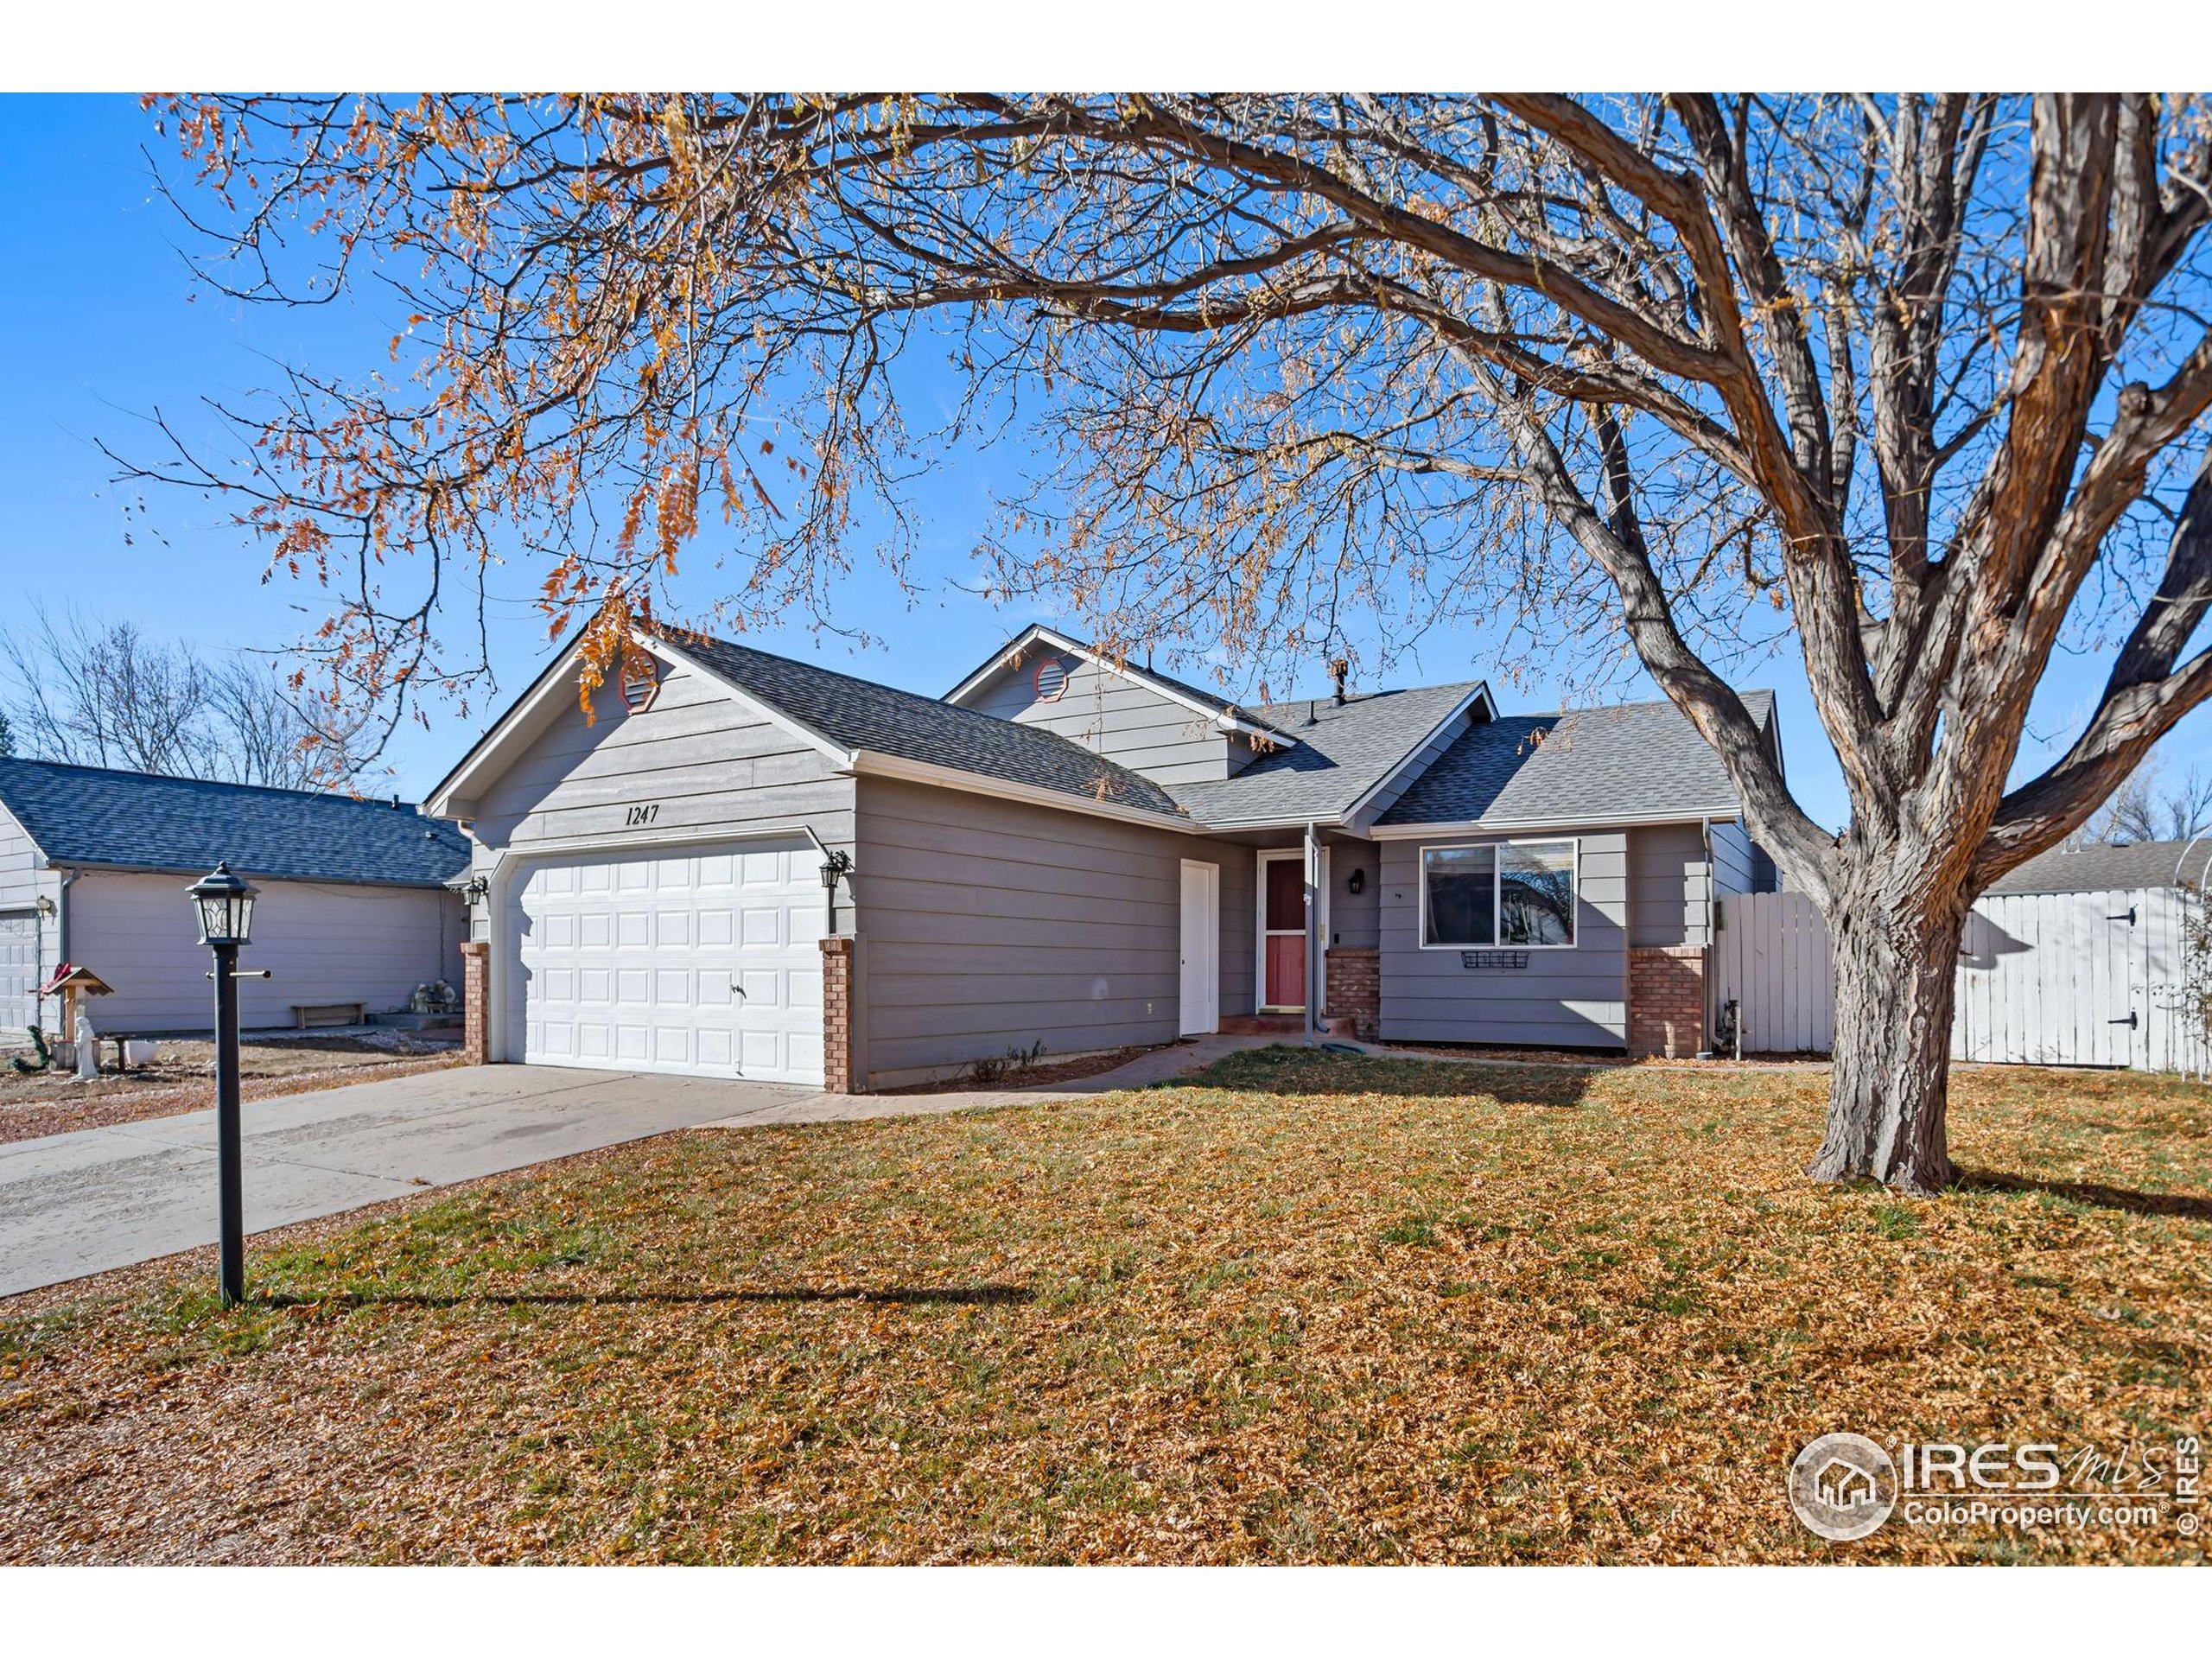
(1321, 1309)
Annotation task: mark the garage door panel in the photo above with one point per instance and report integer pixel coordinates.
(695, 962)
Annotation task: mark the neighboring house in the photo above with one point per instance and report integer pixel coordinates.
(354, 905)
(1071, 852)
(2097, 866)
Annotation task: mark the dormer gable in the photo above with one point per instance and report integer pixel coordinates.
(1150, 722)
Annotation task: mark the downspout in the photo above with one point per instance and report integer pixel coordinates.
(60, 938)
(1315, 976)
(1704, 1048)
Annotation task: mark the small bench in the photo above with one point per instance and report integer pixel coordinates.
(306, 1016)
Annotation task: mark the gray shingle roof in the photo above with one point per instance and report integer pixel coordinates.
(84, 815)
(1630, 760)
(856, 714)
(1349, 747)
(2097, 868)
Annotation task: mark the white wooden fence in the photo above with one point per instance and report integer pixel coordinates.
(2044, 979)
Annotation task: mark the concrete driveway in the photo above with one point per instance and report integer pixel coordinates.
(85, 1201)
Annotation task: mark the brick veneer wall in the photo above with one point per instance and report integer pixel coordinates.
(837, 1015)
(1355, 988)
(475, 1010)
(1665, 999)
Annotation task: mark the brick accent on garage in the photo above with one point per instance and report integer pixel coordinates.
(837, 1016)
(1354, 991)
(475, 1006)
(1666, 1000)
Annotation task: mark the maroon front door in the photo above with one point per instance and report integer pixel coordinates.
(1283, 922)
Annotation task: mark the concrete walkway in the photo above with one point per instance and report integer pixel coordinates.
(93, 1199)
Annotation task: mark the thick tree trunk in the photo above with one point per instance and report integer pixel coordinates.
(1897, 955)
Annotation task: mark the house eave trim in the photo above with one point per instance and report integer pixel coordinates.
(868, 763)
(1564, 825)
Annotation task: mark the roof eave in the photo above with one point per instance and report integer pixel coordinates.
(870, 763)
(108, 866)
(1484, 826)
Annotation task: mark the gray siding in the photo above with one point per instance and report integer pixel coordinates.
(1118, 717)
(1567, 997)
(1735, 865)
(991, 924)
(1354, 918)
(322, 942)
(705, 761)
(1667, 885)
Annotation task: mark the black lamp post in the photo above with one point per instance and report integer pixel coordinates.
(225, 904)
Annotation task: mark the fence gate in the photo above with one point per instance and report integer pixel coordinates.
(2044, 978)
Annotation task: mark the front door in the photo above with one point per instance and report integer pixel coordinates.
(1201, 1009)
(1282, 923)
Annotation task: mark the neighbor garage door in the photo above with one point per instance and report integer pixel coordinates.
(18, 976)
(705, 962)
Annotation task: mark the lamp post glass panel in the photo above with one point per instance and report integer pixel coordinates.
(224, 905)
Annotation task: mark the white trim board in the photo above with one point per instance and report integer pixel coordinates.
(867, 763)
(1503, 828)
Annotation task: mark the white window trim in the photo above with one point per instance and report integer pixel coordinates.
(1420, 915)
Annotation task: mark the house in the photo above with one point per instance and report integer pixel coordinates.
(355, 906)
(2099, 867)
(1071, 851)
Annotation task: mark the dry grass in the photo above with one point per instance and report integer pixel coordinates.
(1325, 1310)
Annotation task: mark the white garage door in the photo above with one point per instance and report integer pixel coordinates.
(706, 962)
(18, 976)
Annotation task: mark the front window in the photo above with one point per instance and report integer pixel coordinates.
(1461, 888)
(1535, 893)
(1514, 892)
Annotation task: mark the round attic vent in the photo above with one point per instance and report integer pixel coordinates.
(1051, 678)
(640, 682)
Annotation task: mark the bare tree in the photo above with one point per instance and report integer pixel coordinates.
(1922, 379)
(2152, 806)
(104, 695)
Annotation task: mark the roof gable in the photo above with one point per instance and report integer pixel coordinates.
(1227, 715)
(1344, 751)
(1628, 760)
(129, 820)
(860, 716)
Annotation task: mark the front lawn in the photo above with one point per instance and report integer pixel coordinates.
(1317, 1309)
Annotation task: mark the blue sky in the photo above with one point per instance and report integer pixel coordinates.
(107, 329)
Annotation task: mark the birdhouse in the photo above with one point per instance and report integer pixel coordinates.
(71, 983)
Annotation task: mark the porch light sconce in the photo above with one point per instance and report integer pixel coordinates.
(476, 889)
(835, 866)
(1358, 882)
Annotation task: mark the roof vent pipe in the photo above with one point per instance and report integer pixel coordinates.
(1338, 671)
